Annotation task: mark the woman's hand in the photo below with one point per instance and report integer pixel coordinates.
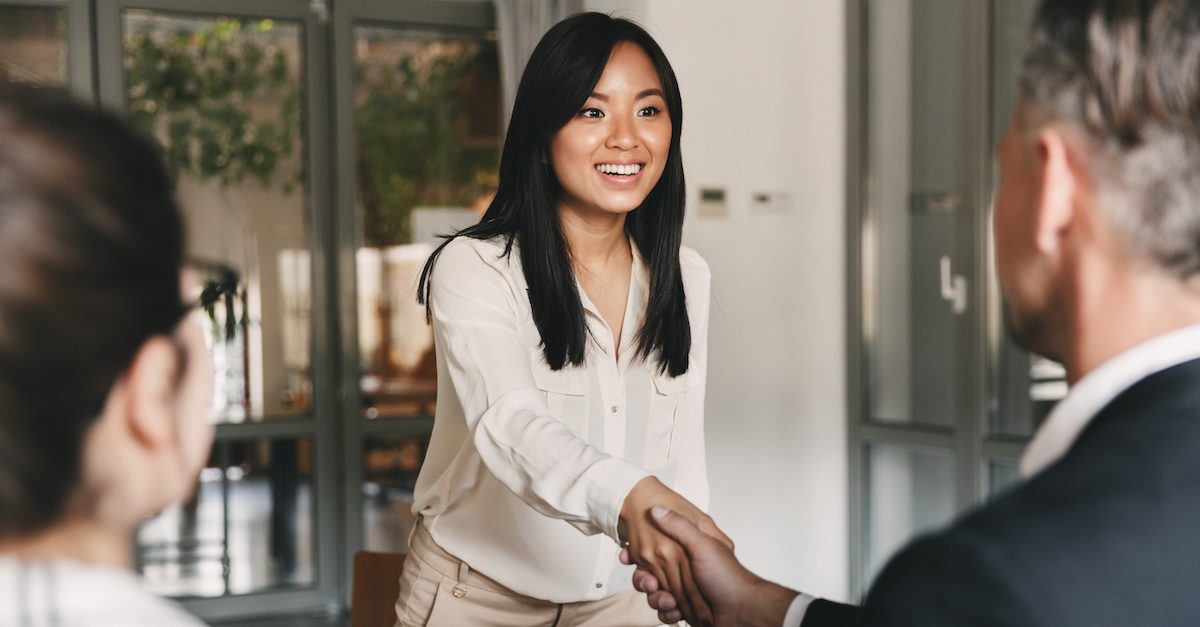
(657, 553)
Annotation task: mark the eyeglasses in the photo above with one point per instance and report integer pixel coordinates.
(220, 285)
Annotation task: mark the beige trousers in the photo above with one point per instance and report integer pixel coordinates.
(440, 590)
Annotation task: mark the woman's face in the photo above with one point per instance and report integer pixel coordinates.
(612, 153)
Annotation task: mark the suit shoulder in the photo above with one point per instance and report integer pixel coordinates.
(953, 577)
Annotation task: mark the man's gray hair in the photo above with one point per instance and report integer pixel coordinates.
(1126, 73)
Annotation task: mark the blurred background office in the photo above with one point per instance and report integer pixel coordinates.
(840, 172)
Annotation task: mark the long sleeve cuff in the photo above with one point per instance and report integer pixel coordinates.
(796, 611)
(613, 480)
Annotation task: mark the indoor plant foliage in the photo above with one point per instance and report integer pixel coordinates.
(220, 99)
(424, 135)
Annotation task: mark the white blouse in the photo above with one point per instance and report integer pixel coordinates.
(70, 594)
(528, 467)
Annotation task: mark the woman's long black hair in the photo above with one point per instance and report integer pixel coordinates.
(563, 70)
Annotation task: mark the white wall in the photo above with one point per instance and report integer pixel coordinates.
(764, 110)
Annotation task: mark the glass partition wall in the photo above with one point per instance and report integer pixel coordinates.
(941, 402)
(418, 115)
(231, 91)
(319, 149)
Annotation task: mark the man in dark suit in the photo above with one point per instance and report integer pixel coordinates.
(1097, 232)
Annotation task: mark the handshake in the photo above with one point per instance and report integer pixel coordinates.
(686, 567)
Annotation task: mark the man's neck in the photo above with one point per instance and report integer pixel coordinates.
(1125, 311)
(77, 540)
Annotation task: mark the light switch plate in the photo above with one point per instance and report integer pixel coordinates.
(771, 202)
(712, 203)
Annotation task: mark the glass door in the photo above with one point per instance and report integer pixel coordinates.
(941, 401)
(232, 92)
(419, 130)
(915, 216)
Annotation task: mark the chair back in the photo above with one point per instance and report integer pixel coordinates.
(375, 588)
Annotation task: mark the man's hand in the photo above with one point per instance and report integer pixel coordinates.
(656, 553)
(736, 596)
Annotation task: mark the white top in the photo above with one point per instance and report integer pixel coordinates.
(1086, 398)
(71, 594)
(528, 467)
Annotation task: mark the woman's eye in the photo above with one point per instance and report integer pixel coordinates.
(649, 112)
(591, 112)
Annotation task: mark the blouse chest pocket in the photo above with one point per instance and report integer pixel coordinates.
(668, 422)
(565, 391)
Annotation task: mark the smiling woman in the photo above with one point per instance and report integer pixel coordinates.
(570, 329)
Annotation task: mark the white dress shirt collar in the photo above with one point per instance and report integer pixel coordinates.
(1100, 387)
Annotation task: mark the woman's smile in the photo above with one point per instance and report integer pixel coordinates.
(620, 173)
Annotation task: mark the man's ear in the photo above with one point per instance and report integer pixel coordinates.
(150, 389)
(1059, 187)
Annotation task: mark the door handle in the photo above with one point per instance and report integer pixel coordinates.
(954, 287)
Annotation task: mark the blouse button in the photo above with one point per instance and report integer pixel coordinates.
(599, 585)
(615, 409)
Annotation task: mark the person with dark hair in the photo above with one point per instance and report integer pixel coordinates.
(1097, 233)
(570, 329)
(104, 387)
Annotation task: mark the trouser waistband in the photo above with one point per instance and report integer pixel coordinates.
(422, 545)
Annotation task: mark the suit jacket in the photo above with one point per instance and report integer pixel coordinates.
(1109, 535)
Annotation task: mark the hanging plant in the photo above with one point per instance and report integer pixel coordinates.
(206, 94)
